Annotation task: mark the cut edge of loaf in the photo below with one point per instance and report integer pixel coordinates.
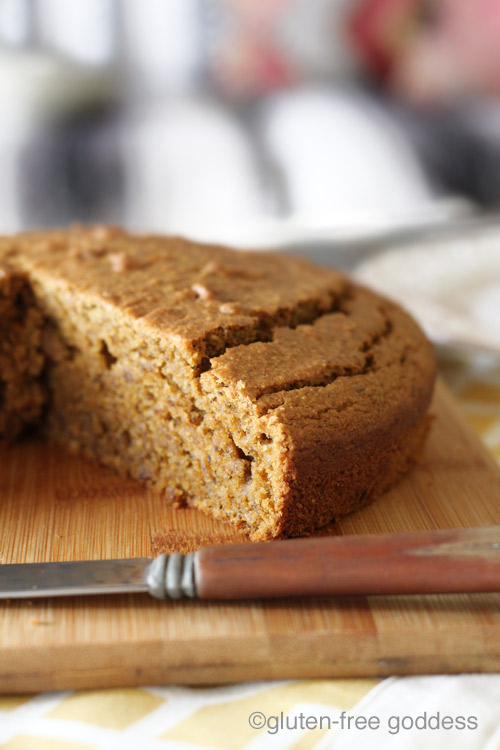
(22, 394)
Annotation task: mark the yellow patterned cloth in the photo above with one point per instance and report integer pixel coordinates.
(406, 713)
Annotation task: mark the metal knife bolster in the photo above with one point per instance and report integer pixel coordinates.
(172, 576)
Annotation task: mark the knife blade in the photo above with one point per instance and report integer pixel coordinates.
(29, 580)
(425, 562)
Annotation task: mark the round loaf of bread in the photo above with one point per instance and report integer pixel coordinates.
(260, 388)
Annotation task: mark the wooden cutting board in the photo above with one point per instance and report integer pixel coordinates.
(58, 507)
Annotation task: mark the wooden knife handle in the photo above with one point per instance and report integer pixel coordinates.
(427, 562)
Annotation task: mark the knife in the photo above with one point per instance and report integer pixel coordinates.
(425, 562)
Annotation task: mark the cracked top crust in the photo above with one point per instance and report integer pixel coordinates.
(280, 333)
(365, 371)
(207, 297)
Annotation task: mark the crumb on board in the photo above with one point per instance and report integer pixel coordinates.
(39, 621)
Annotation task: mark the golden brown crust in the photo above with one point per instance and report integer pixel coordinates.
(261, 389)
(206, 297)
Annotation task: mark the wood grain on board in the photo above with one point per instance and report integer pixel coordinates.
(59, 507)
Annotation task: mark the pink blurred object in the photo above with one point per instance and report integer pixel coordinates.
(249, 56)
(379, 30)
(431, 52)
(257, 46)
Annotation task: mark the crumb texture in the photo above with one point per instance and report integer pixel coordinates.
(263, 390)
(21, 359)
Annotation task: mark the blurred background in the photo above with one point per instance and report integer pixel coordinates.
(254, 122)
